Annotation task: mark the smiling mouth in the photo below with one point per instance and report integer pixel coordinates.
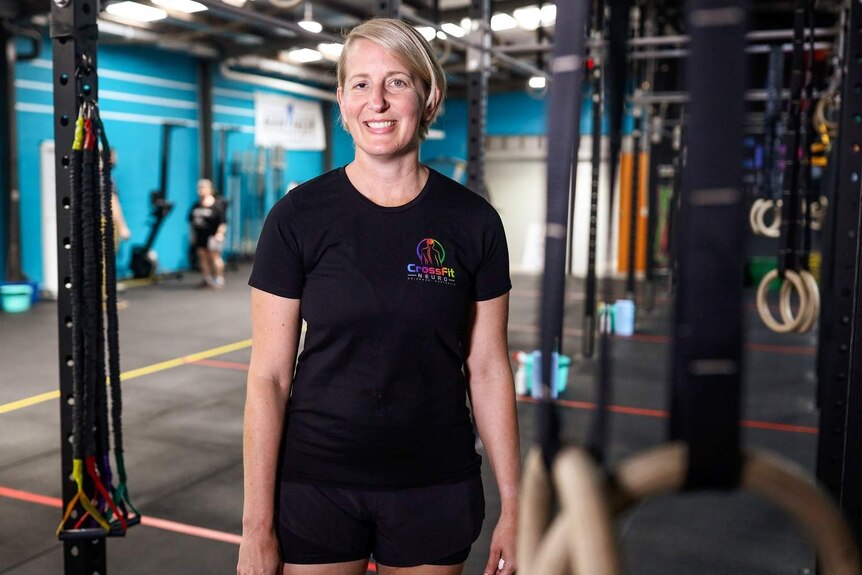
(380, 125)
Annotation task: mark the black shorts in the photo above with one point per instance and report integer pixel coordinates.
(433, 525)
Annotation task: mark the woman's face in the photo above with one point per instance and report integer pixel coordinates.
(381, 101)
(204, 189)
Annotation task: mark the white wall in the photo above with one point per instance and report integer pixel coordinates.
(515, 172)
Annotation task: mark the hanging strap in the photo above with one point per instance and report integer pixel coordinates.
(563, 134)
(789, 253)
(707, 331)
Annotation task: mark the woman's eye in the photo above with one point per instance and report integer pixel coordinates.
(398, 83)
(359, 85)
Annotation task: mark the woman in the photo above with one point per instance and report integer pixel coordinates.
(208, 228)
(402, 278)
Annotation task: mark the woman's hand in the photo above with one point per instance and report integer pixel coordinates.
(258, 555)
(501, 560)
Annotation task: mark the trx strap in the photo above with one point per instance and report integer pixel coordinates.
(708, 312)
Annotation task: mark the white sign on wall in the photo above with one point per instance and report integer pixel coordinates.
(291, 123)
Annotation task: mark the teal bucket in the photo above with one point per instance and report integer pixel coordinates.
(16, 298)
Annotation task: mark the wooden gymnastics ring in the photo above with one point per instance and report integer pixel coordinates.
(782, 483)
(772, 230)
(752, 220)
(763, 306)
(818, 212)
(811, 312)
(582, 535)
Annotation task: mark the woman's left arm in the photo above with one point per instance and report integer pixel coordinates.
(492, 395)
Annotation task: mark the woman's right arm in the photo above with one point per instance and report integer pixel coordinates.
(275, 339)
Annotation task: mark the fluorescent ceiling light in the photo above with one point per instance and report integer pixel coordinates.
(502, 21)
(135, 11)
(427, 32)
(466, 24)
(441, 34)
(248, 39)
(311, 26)
(304, 55)
(187, 6)
(123, 31)
(237, 3)
(549, 14)
(308, 22)
(331, 51)
(537, 82)
(528, 17)
(453, 29)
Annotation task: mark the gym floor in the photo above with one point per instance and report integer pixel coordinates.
(184, 353)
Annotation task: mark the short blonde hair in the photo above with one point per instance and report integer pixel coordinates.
(409, 46)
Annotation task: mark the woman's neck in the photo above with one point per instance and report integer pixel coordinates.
(388, 183)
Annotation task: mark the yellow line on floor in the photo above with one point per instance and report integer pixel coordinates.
(131, 374)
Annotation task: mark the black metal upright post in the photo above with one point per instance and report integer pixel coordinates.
(205, 120)
(388, 8)
(10, 193)
(478, 70)
(839, 466)
(74, 38)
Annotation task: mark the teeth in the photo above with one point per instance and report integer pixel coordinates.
(380, 124)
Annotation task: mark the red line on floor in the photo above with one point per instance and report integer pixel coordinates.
(662, 414)
(663, 339)
(155, 522)
(222, 364)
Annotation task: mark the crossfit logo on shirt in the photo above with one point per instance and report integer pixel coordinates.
(430, 268)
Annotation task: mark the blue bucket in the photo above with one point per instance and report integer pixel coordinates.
(16, 298)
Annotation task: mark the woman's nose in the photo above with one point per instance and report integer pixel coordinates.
(378, 99)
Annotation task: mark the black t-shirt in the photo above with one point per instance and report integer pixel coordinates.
(206, 219)
(379, 394)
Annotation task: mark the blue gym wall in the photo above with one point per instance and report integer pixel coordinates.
(142, 87)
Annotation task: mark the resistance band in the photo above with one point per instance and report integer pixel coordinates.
(89, 250)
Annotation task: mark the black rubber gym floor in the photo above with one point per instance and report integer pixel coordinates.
(184, 353)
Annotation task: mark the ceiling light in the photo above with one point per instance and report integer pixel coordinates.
(528, 17)
(237, 3)
(549, 14)
(331, 51)
(308, 22)
(453, 29)
(427, 32)
(537, 82)
(441, 34)
(502, 21)
(466, 24)
(248, 39)
(123, 31)
(187, 6)
(135, 11)
(304, 55)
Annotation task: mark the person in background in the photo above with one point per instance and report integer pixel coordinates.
(366, 446)
(208, 228)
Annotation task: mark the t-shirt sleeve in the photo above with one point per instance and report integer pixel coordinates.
(278, 265)
(492, 278)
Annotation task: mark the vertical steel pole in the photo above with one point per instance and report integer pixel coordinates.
(74, 38)
(840, 440)
(205, 121)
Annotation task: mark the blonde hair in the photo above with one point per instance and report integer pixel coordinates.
(409, 46)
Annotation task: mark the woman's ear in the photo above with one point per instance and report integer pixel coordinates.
(433, 105)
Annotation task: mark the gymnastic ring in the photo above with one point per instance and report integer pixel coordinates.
(763, 306)
(772, 230)
(777, 480)
(582, 535)
(811, 312)
(535, 508)
(752, 220)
